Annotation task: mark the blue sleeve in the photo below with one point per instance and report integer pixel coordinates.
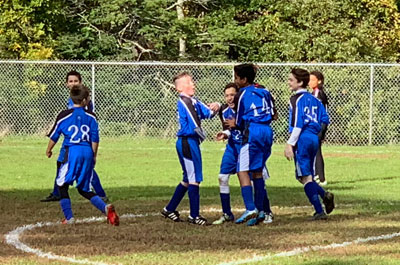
(324, 115)
(94, 131)
(204, 111)
(56, 133)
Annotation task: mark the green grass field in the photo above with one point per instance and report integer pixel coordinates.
(139, 176)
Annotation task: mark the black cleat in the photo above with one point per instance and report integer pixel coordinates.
(172, 215)
(319, 216)
(51, 198)
(199, 220)
(328, 201)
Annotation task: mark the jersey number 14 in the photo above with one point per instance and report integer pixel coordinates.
(265, 108)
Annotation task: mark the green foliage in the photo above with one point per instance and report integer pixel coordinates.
(217, 30)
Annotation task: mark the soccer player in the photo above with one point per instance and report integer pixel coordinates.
(255, 111)
(75, 78)
(230, 157)
(306, 116)
(81, 134)
(317, 85)
(190, 134)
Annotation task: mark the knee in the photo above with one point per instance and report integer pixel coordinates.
(85, 194)
(224, 183)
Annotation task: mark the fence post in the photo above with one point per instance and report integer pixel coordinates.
(93, 87)
(371, 102)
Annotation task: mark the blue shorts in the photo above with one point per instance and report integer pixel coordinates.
(230, 159)
(78, 167)
(304, 154)
(188, 149)
(256, 147)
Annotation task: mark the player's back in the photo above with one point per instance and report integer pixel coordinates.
(307, 112)
(255, 105)
(78, 126)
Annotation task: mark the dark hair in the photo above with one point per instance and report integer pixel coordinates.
(231, 85)
(320, 77)
(78, 93)
(74, 73)
(247, 70)
(180, 75)
(301, 75)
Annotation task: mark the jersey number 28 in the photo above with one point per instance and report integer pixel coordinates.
(85, 134)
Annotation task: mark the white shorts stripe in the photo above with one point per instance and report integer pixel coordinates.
(244, 158)
(61, 174)
(189, 166)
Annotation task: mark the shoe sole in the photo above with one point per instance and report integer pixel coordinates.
(251, 216)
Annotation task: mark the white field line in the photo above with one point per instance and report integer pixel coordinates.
(298, 251)
(13, 239)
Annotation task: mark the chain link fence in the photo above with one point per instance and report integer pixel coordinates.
(138, 99)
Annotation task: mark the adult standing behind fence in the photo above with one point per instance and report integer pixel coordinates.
(317, 85)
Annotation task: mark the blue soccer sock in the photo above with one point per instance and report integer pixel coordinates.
(194, 200)
(98, 203)
(226, 203)
(259, 188)
(96, 184)
(66, 208)
(321, 191)
(311, 190)
(266, 204)
(247, 194)
(179, 193)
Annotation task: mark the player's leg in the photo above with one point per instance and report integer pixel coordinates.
(269, 216)
(228, 166)
(194, 171)
(97, 187)
(65, 177)
(55, 194)
(304, 160)
(320, 168)
(169, 211)
(83, 175)
(65, 203)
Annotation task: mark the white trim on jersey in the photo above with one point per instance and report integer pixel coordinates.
(297, 111)
(191, 174)
(211, 112)
(238, 106)
(58, 123)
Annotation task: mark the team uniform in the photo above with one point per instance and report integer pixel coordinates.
(80, 130)
(255, 110)
(190, 134)
(95, 181)
(306, 116)
(319, 162)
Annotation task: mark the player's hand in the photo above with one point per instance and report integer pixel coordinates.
(221, 136)
(289, 152)
(231, 123)
(214, 106)
(49, 153)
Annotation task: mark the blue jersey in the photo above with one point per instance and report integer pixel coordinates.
(307, 113)
(89, 107)
(227, 113)
(190, 113)
(255, 105)
(78, 126)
